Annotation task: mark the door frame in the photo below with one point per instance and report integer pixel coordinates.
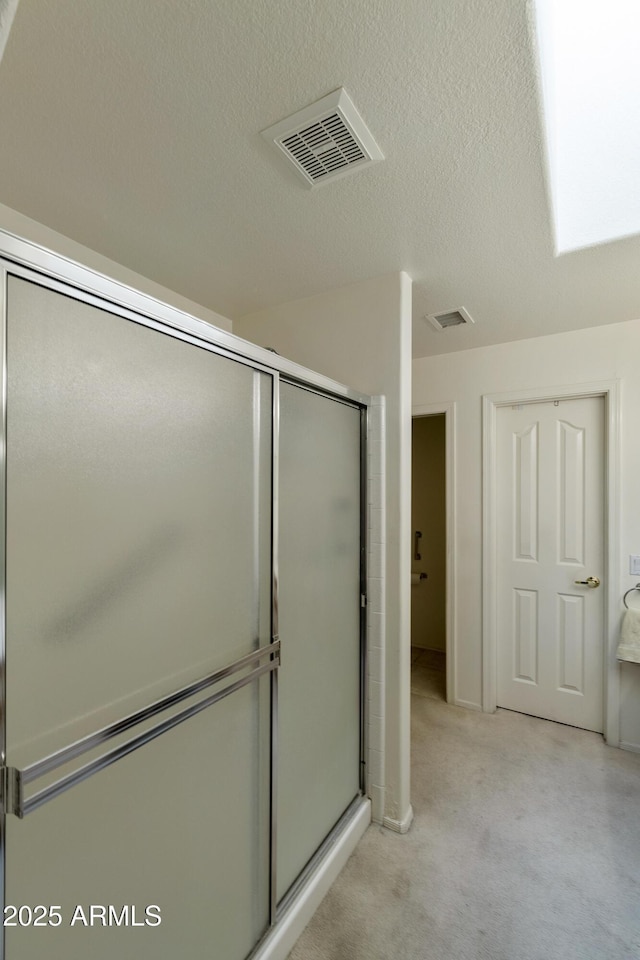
(609, 390)
(449, 411)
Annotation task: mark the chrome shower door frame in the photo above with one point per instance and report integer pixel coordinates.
(22, 259)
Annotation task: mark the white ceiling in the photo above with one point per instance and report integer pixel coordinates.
(133, 127)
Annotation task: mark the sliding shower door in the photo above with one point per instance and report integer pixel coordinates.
(138, 614)
(166, 781)
(319, 576)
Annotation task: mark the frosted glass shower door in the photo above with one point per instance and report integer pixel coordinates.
(138, 561)
(319, 626)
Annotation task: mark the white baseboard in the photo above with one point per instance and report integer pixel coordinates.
(280, 940)
(467, 704)
(377, 803)
(632, 747)
(399, 826)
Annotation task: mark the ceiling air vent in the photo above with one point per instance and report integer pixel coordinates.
(451, 318)
(326, 140)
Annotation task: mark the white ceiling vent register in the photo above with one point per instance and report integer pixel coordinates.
(451, 318)
(326, 140)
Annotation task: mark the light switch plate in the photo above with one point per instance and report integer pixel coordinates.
(634, 565)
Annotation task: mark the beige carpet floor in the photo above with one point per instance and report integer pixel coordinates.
(525, 846)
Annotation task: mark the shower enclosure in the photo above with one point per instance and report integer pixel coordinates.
(183, 587)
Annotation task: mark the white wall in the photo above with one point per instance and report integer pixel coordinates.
(27, 229)
(582, 356)
(361, 335)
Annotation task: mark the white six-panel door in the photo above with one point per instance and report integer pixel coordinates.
(550, 497)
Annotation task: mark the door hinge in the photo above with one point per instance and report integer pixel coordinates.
(363, 599)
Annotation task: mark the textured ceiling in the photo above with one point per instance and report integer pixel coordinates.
(133, 127)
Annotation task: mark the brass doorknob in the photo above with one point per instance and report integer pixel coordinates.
(589, 582)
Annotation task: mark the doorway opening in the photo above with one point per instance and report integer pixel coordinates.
(429, 556)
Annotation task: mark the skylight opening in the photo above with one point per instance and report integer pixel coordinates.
(590, 79)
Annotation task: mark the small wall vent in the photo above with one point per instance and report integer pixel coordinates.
(326, 140)
(451, 318)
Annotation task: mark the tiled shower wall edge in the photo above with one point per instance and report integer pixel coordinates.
(376, 549)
